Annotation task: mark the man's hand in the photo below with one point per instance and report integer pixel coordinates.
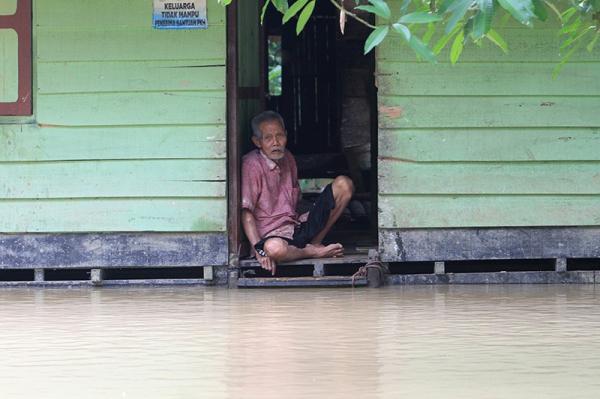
(267, 263)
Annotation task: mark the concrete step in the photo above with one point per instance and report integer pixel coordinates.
(319, 264)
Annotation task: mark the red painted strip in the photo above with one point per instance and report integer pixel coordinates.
(21, 23)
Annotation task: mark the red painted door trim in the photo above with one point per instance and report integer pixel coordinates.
(21, 23)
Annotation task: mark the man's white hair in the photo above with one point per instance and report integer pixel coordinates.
(265, 116)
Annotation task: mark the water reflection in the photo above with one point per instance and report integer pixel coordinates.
(426, 342)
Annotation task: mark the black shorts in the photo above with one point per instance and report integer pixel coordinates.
(306, 231)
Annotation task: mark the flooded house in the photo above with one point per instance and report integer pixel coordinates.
(122, 131)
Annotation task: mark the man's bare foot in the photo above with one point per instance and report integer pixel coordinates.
(326, 251)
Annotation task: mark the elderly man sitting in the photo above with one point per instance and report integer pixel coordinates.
(270, 193)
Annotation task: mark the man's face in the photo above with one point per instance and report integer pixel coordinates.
(273, 140)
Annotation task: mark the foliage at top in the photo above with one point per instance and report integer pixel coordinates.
(462, 21)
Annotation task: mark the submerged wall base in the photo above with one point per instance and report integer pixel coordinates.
(540, 277)
(89, 250)
(415, 245)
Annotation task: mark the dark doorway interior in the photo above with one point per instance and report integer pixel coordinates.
(323, 86)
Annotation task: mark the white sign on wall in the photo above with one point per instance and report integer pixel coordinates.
(179, 14)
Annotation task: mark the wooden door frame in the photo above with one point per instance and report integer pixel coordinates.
(233, 143)
(235, 93)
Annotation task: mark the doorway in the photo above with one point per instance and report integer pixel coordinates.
(323, 86)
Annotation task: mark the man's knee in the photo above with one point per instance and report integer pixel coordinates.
(342, 185)
(276, 248)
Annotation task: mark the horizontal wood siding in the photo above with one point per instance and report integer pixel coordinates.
(129, 131)
(493, 141)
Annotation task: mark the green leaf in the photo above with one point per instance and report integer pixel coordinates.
(445, 5)
(441, 43)
(225, 2)
(376, 37)
(573, 27)
(483, 19)
(457, 47)
(458, 10)
(421, 49)
(280, 5)
(383, 8)
(575, 37)
(539, 9)
(567, 14)
(495, 38)
(305, 16)
(521, 10)
(372, 10)
(468, 27)
(419, 17)
(264, 11)
(405, 5)
(590, 46)
(431, 27)
(293, 10)
(403, 30)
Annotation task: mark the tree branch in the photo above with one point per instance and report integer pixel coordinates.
(356, 17)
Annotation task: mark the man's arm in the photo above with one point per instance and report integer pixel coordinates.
(249, 225)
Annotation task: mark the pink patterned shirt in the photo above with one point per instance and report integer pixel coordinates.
(270, 191)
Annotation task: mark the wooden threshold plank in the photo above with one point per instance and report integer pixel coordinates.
(326, 281)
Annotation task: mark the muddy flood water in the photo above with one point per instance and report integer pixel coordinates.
(396, 342)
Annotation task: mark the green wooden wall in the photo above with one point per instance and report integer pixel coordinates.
(9, 65)
(492, 141)
(129, 125)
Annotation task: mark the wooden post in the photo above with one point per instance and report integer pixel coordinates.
(373, 255)
(232, 278)
(233, 145)
(208, 273)
(97, 276)
(319, 269)
(38, 275)
(561, 265)
(439, 267)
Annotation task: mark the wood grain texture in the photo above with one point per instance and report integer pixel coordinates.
(109, 13)
(130, 125)
(97, 43)
(22, 143)
(106, 250)
(105, 109)
(126, 76)
(486, 111)
(9, 66)
(100, 215)
(486, 79)
(490, 145)
(441, 211)
(113, 179)
(459, 244)
(397, 177)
